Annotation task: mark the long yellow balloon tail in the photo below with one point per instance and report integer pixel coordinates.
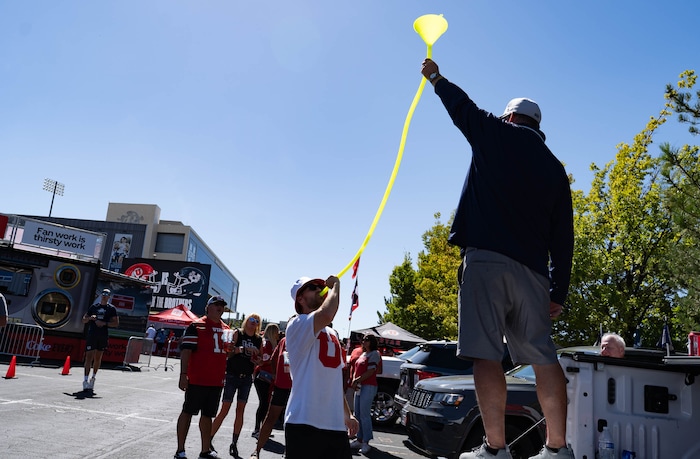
(430, 27)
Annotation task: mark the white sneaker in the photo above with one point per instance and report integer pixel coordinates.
(86, 385)
(482, 453)
(355, 445)
(91, 384)
(365, 448)
(563, 453)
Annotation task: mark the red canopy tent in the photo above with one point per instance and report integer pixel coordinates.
(179, 316)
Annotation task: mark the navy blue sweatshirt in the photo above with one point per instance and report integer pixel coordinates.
(516, 198)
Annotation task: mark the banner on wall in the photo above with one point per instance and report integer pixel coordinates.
(120, 250)
(176, 282)
(61, 238)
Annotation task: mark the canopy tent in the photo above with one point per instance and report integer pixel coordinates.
(388, 335)
(177, 317)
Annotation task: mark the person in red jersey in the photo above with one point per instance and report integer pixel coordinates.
(203, 369)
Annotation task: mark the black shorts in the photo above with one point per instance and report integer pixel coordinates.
(96, 343)
(307, 442)
(205, 398)
(280, 396)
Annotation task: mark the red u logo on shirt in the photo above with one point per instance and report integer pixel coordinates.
(329, 352)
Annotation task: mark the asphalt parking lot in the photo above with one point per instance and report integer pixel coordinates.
(131, 414)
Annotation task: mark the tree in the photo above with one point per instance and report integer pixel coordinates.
(424, 301)
(628, 246)
(680, 169)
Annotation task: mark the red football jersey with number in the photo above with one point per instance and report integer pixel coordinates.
(207, 366)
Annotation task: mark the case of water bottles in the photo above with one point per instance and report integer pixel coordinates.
(646, 404)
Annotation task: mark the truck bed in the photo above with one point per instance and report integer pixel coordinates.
(650, 403)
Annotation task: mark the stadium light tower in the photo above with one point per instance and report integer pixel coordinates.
(55, 188)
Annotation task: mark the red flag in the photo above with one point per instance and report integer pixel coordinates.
(354, 267)
(355, 300)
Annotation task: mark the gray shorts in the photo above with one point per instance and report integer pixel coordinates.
(500, 297)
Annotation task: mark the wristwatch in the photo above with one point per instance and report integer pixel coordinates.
(433, 76)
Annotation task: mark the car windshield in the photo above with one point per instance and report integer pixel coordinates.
(524, 372)
(440, 356)
(409, 353)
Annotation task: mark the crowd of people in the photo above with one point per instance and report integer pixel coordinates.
(514, 228)
(318, 421)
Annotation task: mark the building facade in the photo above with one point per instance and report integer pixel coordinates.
(137, 231)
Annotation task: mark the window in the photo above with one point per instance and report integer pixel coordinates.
(15, 282)
(170, 242)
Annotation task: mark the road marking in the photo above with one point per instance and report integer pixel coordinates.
(118, 416)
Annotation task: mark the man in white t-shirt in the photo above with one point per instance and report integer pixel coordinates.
(151, 334)
(317, 420)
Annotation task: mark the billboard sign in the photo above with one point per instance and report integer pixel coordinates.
(177, 282)
(61, 238)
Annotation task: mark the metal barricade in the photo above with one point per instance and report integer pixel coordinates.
(137, 347)
(22, 340)
(166, 365)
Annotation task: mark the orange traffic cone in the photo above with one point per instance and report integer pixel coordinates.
(66, 366)
(11, 371)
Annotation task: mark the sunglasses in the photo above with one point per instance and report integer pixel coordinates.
(105, 294)
(253, 320)
(314, 287)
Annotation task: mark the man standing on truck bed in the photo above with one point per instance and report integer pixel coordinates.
(514, 224)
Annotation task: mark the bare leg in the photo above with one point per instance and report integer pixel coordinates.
(225, 407)
(205, 432)
(183, 426)
(97, 361)
(490, 385)
(238, 422)
(273, 413)
(551, 392)
(89, 357)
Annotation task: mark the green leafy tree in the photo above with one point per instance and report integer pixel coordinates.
(424, 300)
(680, 169)
(628, 245)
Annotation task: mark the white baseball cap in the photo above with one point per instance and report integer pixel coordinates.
(298, 284)
(523, 106)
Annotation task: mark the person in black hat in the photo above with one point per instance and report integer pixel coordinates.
(202, 371)
(514, 226)
(99, 317)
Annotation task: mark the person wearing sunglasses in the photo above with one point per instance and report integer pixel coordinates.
(239, 377)
(99, 317)
(318, 419)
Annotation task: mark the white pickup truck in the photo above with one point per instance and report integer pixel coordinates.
(650, 403)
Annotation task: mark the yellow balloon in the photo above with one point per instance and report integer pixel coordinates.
(430, 27)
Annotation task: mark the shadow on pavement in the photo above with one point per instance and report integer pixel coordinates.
(273, 446)
(83, 394)
(375, 453)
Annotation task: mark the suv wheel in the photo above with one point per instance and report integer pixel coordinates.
(383, 409)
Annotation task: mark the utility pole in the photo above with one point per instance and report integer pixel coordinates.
(55, 188)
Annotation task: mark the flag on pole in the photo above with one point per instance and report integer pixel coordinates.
(355, 300)
(354, 267)
(665, 340)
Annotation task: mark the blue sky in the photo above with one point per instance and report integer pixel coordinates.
(272, 127)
